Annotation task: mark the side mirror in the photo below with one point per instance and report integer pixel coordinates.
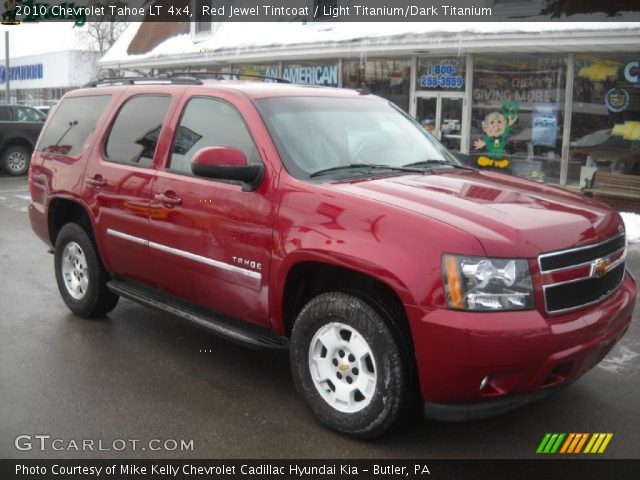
(227, 163)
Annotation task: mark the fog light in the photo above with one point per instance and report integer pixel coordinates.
(484, 383)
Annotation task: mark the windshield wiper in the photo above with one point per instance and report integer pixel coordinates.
(437, 161)
(366, 165)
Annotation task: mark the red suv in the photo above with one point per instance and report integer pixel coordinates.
(329, 223)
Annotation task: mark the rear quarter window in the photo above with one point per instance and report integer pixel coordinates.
(73, 120)
(135, 132)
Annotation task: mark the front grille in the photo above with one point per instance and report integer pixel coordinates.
(582, 292)
(568, 258)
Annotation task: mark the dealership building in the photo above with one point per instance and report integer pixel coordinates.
(567, 93)
(45, 62)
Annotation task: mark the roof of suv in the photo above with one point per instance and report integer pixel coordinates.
(250, 89)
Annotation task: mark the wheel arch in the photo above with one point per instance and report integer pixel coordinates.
(16, 142)
(309, 277)
(62, 210)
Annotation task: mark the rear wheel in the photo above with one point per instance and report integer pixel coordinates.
(15, 160)
(82, 280)
(348, 365)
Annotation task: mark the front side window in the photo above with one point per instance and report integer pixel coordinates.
(134, 135)
(71, 123)
(318, 133)
(207, 122)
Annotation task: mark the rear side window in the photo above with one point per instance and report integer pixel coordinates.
(73, 121)
(134, 135)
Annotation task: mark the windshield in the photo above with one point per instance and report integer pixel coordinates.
(346, 135)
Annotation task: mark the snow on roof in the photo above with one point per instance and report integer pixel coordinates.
(234, 36)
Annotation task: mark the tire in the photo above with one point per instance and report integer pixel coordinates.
(15, 160)
(82, 280)
(349, 365)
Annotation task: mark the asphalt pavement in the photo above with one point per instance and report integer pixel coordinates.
(143, 375)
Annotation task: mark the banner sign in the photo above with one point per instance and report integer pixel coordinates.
(82, 11)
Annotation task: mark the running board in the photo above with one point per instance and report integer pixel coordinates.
(238, 331)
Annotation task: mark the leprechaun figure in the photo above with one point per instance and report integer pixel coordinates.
(497, 127)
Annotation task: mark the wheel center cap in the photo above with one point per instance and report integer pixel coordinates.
(344, 367)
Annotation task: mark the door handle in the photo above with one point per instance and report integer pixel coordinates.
(168, 198)
(97, 181)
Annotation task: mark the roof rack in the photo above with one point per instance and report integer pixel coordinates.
(179, 80)
(205, 75)
(176, 78)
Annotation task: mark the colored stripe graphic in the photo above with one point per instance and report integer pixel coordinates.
(550, 443)
(567, 443)
(598, 443)
(581, 443)
(574, 443)
(556, 446)
(543, 443)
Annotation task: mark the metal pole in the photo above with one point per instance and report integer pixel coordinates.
(7, 72)
(566, 127)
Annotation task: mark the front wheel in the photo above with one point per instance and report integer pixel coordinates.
(347, 364)
(82, 280)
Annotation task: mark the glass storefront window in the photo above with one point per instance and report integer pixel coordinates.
(517, 114)
(441, 74)
(386, 77)
(246, 72)
(605, 123)
(320, 72)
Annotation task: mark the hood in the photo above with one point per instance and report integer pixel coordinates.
(511, 217)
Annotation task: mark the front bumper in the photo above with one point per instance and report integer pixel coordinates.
(523, 355)
(488, 408)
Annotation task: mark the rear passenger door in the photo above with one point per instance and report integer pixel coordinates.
(210, 242)
(118, 184)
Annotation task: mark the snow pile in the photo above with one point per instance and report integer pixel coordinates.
(232, 38)
(632, 224)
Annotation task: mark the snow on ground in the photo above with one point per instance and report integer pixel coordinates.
(632, 224)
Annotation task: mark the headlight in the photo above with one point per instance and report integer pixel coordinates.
(477, 283)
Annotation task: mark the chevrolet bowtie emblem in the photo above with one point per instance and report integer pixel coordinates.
(601, 267)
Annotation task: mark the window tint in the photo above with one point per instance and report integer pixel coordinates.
(207, 122)
(134, 135)
(73, 120)
(26, 114)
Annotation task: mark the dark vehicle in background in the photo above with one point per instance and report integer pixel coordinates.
(19, 130)
(44, 109)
